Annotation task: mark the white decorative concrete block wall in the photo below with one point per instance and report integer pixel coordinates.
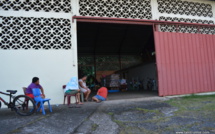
(189, 11)
(36, 39)
(116, 8)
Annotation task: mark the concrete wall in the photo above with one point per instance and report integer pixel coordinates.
(54, 68)
(37, 41)
(152, 9)
(182, 14)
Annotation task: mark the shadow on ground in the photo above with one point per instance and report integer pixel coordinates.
(63, 120)
(153, 115)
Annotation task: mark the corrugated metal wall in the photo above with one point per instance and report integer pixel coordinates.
(185, 62)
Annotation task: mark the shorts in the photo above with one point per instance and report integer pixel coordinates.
(100, 98)
(84, 90)
(71, 92)
(31, 95)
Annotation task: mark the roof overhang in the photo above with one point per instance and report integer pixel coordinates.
(134, 21)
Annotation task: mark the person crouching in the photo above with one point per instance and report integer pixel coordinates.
(101, 95)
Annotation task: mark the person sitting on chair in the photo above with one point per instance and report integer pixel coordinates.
(72, 88)
(35, 84)
(101, 95)
(83, 87)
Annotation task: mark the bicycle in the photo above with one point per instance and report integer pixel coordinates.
(21, 104)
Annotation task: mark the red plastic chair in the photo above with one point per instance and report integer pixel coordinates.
(68, 97)
(26, 101)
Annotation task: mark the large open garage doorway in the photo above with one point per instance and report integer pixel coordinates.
(120, 57)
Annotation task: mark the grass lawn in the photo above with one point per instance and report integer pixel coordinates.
(194, 104)
(195, 113)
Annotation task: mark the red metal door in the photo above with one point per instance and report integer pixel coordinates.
(185, 63)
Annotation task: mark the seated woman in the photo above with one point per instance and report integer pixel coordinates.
(35, 84)
(84, 88)
(101, 95)
(72, 88)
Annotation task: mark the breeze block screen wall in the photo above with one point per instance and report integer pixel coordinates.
(36, 39)
(186, 11)
(137, 9)
(35, 32)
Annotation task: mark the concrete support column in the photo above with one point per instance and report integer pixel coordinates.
(154, 5)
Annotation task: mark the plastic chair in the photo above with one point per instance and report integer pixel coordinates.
(26, 100)
(68, 96)
(40, 100)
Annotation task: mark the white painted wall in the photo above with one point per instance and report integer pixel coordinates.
(54, 68)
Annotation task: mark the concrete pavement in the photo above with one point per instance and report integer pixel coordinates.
(62, 120)
(149, 115)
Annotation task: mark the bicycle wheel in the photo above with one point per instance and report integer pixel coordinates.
(24, 105)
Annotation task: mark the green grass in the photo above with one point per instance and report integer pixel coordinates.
(94, 127)
(110, 113)
(120, 123)
(147, 110)
(194, 103)
(129, 130)
(190, 107)
(193, 96)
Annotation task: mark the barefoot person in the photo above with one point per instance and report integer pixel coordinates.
(72, 88)
(35, 84)
(84, 88)
(101, 95)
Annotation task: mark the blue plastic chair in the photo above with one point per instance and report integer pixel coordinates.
(40, 100)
